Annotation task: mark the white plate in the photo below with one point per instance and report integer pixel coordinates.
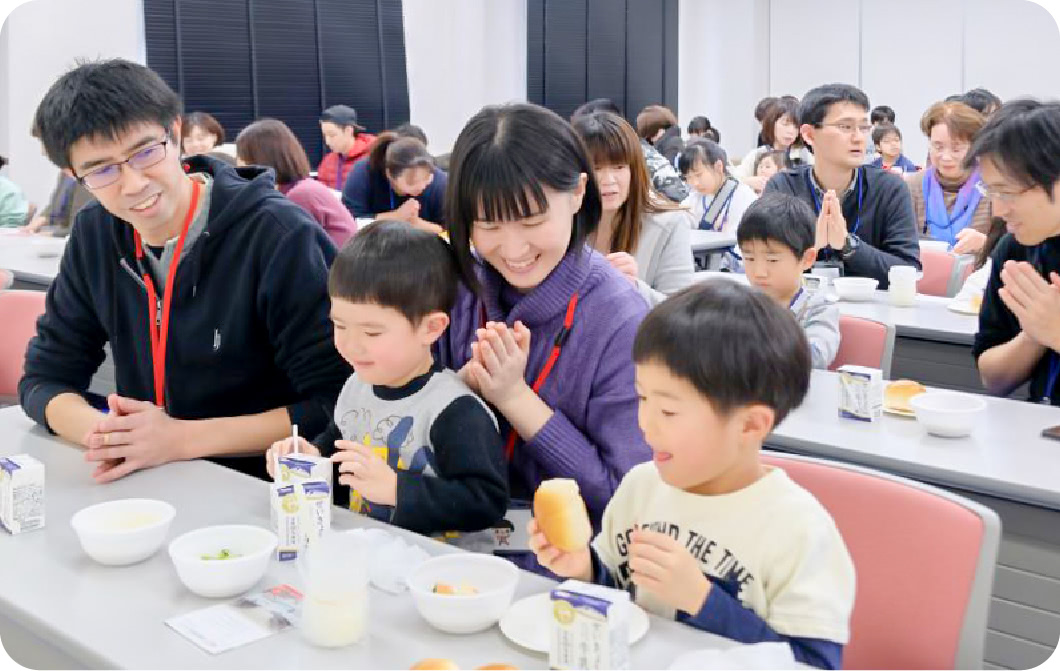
(526, 623)
(898, 412)
(964, 309)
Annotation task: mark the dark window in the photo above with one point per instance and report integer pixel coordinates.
(625, 50)
(241, 60)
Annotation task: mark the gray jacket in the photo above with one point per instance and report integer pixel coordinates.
(664, 255)
(820, 320)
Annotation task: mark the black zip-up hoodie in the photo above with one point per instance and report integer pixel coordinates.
(249, 327)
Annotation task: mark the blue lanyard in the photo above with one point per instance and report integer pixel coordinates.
(1050, 382)
(390, 190)
(817, 201)
(795, 298)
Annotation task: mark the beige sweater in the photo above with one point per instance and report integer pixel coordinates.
(915, 182)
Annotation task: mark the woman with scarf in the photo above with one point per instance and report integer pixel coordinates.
(946, 197)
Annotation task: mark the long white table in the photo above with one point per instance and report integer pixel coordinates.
(707, 245)
(1005, 464)
(58, 609)
(34, 259)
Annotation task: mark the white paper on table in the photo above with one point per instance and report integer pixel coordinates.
(225, 626)
(390, 559)
(754, 656)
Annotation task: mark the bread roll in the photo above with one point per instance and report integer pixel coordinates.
(561, 515)
(897, 394)
(434, 664)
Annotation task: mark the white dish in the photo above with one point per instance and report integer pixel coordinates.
(251, 547)
(123, 532)
(947, 414)
(493, 578)
(963, 309)
(526, 623)
(855, 288)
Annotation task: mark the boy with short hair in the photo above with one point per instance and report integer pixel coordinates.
(888, 142)
(705, 532)
(415, 446)
(776, 237)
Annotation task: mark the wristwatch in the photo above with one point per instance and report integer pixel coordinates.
(850, 246)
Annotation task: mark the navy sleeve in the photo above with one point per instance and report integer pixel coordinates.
(470, 492)
(356, 190)
(722, 614)
(997, 324)
(601, 574)
(779, 183)
(434, 199)
(68, 347)
(896, 242)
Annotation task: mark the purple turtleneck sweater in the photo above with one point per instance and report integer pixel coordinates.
(592, 435)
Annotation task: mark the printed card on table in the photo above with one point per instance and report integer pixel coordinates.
(226, 626)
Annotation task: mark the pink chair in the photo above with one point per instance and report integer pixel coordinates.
(924, 559)
(864, 342)
(19, 311)
(942, 271)
(6, 279)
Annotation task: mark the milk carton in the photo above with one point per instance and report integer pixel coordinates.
(314, 511)
(589, 627)
(284, 513)
(860, 393)
(21, 493)
(296, 467)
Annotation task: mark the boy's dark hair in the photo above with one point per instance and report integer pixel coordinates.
(882, 130)
(817, 101)
(596, 105)
(101, 99)
(700, 150)
(881, 114)
(1023, 139)
(756, 352)
(411, 130)
(374, 267)
(502, 162)
(780, 218)
(979, 99)
(699, 124)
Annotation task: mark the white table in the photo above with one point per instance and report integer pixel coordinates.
(707, 245)
(1005, 464)
(932, 343)
(58, 609)
(34, 259)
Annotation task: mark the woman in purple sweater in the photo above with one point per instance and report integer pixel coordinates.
(546, 333)
(270, 143)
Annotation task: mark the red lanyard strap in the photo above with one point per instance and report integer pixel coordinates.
(159, 326)
(557, 345)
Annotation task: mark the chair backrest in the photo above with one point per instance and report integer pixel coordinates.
(924, 559)
(864, 342)
(19, 311)
(939, 271)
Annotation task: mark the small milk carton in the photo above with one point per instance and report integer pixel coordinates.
(314, 511)
(284, 512)
(296, 467)
(589, 627)
(860, 393)
(21, 493)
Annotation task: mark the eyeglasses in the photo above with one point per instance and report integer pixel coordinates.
(108, 174)
(953, 151)
(1003, 196)
(848, 128)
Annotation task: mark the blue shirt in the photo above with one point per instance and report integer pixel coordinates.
(367, 193)
(904, 163)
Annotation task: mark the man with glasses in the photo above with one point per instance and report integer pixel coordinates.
(1018, 154)
(208, 284)
(865, 220)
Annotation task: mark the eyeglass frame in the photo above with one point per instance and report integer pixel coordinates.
(1006, 197)
(118, 164)
(862, 129)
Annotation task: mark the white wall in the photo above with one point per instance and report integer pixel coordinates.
(902, 53)
(40, 40)
(462, 55)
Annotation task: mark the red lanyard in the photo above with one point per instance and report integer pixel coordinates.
(557, 345)
(159, 326)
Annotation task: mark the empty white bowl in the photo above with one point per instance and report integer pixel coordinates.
(855, 288)
(249, 547)
(493, 578)
(947, 414)
(123, 532)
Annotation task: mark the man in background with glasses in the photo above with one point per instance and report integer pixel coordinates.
(209, 285)
(865, 220)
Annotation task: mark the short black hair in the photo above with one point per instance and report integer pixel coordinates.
(3, 162)
(701, 150)
(502, 161)
(411, 130)
(734, 343)
(881, 113)
(699, 124)
(881, 131)
(779, 217)
(101, 99)
(394, 265)
(597, 105)
(817, 101)
(1023, 139)
(980, 99)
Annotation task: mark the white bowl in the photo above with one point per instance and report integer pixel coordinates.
(123, 532)
(940, 245)
(855, 288)
(251, 546)
(493, 577)
(947, 413)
